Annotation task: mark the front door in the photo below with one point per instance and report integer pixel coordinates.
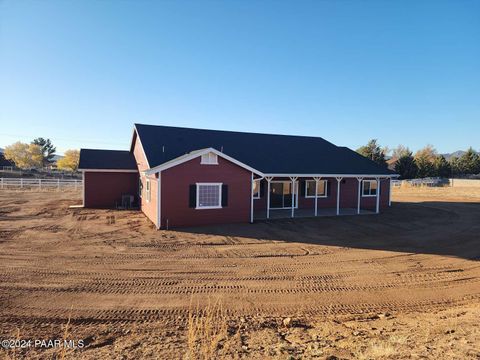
(281, 195)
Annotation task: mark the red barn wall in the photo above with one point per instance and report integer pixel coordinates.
(175, 183)
(105, 189)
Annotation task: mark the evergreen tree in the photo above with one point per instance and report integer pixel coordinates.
(469, 162)
(441, 167)
(406, 167)
(374, 152)
(425, 159)
(48, 149)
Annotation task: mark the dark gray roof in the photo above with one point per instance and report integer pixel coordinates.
(107, 159)
(270, 154)
(5, 162)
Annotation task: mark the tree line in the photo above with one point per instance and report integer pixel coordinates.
(426, 162)
(40, 153)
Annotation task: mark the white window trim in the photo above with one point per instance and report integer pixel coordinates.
(212, 159)
(259, 183)
(363, 192)
(318, 196)
(198, 207)
(148, 190)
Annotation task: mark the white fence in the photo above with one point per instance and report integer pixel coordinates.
(6, 183)
(421, 182)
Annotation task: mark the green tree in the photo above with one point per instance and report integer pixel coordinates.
(442, 167)
(374, 152)
(48, 150)
(406, 166)
(469, 162)
(425, 159)
(455, 166)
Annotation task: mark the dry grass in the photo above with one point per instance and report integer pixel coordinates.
(66, 334)
(446, 193)
(380, 348)
(207, 327)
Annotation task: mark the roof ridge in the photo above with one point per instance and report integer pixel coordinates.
(235, 132)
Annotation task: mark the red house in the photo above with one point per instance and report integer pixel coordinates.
(188, 177)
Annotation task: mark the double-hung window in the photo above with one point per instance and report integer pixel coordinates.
(310, 188)
(256, 189)
(209, 195)
(369, 188)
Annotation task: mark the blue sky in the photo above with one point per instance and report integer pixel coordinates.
(82, 72)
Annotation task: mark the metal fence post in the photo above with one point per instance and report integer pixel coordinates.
(58, 184)
(40, 184)
(21, 182)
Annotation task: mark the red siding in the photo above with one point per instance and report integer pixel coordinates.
(175, 184)
(105, 189)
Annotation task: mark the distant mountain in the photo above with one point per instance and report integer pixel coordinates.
(455, 154)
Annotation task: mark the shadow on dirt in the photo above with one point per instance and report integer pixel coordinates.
(442, 228)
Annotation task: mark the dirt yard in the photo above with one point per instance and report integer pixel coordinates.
(404, 284)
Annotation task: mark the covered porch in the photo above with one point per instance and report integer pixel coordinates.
(307, 213)
(303, 196)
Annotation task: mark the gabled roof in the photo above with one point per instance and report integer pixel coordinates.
(106, 160)
(197, 153)
(5, 162)
(267, 153)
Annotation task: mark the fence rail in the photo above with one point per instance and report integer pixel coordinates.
(421, 182)
(39, 183)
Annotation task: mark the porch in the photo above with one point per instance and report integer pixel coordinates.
(307, 213)
(283, 196)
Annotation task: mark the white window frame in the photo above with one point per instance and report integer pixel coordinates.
(318, 196)
(140, 187)
(209, 159)
(370, 192)
(258, 193)
(148, 190)
(219, 206)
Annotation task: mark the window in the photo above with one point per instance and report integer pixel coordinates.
(140, 187)
(369, 188)
(209, 159)
(147, 188)
(256, 189)
(310, 188)
(209, 195)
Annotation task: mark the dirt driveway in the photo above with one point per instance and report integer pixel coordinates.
(340, 286)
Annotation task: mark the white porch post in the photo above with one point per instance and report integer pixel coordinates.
(338, 194)
(378, 195)
(251, 202)
(293, 194)
(268, 195)
(359, 193)
(390, 192)
(317, 179)
(159, 200)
